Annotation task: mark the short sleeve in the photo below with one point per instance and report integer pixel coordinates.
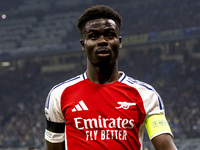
(54, 131)
(155, 120)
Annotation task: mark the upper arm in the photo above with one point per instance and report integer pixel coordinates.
(156, 123)
(55, 146)
(164, 142)
(55, 127)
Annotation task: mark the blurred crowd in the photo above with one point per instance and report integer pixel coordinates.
(153, 16)
(48, 22)
(24, 91)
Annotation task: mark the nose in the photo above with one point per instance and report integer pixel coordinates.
(102, 41)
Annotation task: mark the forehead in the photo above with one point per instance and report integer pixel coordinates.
(100, 23)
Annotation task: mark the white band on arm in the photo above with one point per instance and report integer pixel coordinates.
(54, 137)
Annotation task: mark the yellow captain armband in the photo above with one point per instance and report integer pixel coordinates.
(156, 125)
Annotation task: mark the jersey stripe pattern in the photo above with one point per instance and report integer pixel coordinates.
(102, 116)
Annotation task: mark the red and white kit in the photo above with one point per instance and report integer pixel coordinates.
(100, 116)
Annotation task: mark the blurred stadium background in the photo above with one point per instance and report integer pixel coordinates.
(39, 47)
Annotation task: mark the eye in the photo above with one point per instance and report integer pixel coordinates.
(93, 36)
(110, 35)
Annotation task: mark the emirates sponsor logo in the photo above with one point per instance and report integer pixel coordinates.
(110, 128)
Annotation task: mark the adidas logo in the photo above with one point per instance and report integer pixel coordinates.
(80, 107)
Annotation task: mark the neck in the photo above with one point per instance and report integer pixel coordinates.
(102, 74)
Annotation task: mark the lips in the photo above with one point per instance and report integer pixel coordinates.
(103, 52)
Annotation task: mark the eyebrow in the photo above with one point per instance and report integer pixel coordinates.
(90, 30)
(95, 30)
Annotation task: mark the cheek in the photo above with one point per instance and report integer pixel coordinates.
(115, 45)
(89, 48)
(89, 45)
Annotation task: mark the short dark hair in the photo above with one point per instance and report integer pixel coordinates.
(97, 12)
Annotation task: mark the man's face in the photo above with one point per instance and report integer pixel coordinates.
(101, 41)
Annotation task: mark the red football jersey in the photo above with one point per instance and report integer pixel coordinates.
(101, 116)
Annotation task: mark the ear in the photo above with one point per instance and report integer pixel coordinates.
(120, 41)
(82, 45)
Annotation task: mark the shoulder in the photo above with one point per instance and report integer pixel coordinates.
(61, 86)
(139, 85)
(58, 89)
(151, 99)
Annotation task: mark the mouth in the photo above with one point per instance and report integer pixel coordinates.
(103, 52)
